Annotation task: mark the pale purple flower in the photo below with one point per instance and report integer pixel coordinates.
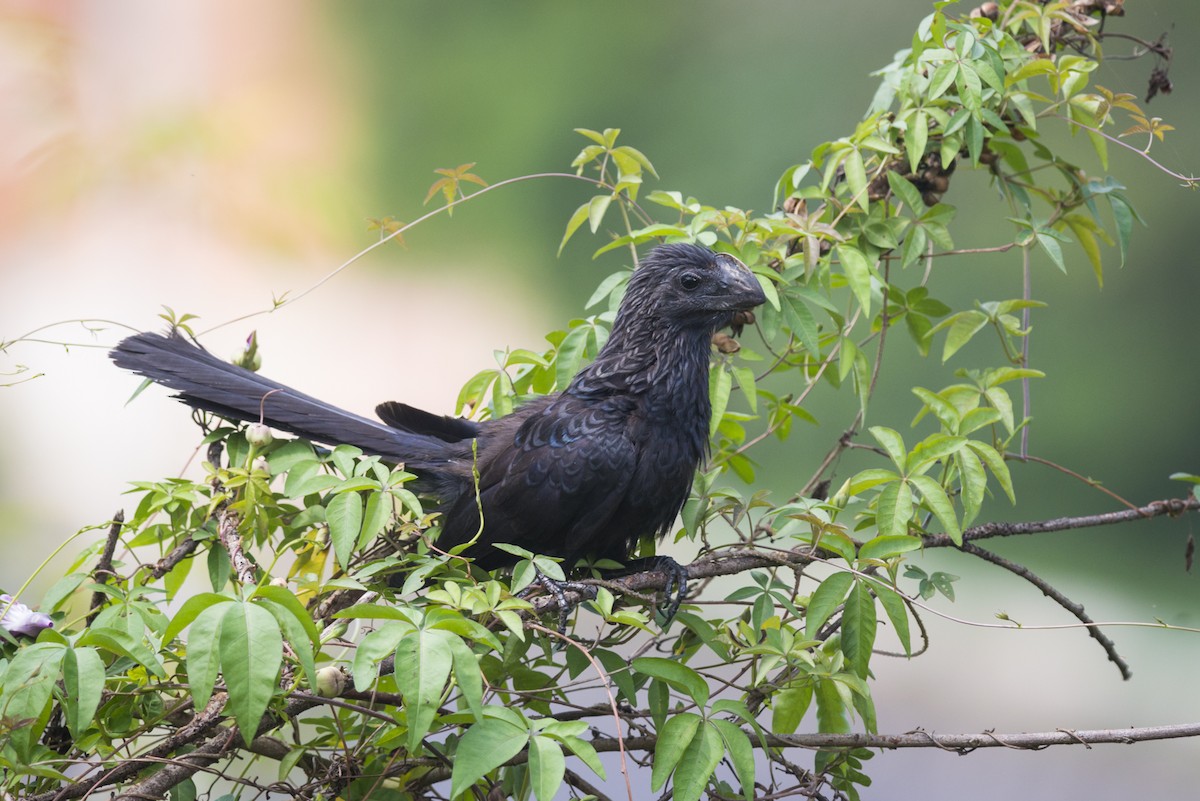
(20, 619)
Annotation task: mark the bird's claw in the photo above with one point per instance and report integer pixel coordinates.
(674, 591)
(559, 590)
(676, 587)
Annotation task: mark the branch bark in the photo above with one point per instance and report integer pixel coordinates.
(958, 743)
(1171, 506)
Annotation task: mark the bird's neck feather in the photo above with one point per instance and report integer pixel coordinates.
(667, 363)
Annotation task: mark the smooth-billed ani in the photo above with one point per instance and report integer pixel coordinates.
(585, 472)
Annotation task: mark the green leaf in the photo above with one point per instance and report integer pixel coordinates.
(586, 753)
(674, 737)
(915, 243)
(547, 766)
(626, 152)
(995, 462)
(287, 599)
(893, 509)
(970, 88)
(676, 674)
(27, 689)
(917, 139)
(1123, 216)
(978, 418)
(1052, 248)
(374, 647)
(903, 188)
(1081, 226)
(858, 274)
(858, 628)
(741, 754)
(943, 409)
(295, 633)
(288, 455)
(617, 667)
(939, 503)
(942, 78)
(379, 510)
(897, 612)
(122, 643)
(831, 709)
(698, 764)
(847, 358)
(1030, 69)
(885, 547)
(251, 654)
(744, 377)
(343, 457)
(892, 443)
(963, 326)
(720, 384)
(204, 654)
(800, 320)
(83, 684)
(973, 481)
(191, 608)
(423, 661)
(597, 206)
(825, 600)
(788, 707)
(871, 477)
(344, 515)
(573, 224)
(607, 287)
(1002, 403)
(484, 747)
(570, 355)
(856, 177)
(934, 448)
(467, 675)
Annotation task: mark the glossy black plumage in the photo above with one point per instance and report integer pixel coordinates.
(586, 472)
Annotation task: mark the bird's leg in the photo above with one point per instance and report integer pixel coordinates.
(559, 590)
(676, 587)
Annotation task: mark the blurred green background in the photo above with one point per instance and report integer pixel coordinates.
(209, 155)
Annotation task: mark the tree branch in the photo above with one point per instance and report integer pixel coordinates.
(1050, 592)
(1171, 506)
(104, 565)
(959, 743)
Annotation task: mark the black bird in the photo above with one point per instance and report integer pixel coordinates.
(585, 472)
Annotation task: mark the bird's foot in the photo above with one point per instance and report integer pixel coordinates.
(676, 588)
(559, 590)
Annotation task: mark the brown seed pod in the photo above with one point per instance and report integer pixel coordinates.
(989, 10)
(726, 343)
(743, 318)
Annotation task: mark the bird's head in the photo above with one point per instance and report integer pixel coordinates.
(692, 287)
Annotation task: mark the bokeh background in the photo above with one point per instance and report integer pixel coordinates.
(211, 156)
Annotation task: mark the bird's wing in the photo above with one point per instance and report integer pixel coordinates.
(553, 483)
(418, 421)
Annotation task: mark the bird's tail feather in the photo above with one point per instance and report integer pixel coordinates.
(206, 382)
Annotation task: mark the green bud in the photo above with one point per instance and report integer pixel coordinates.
(330, 682)
(259, 435)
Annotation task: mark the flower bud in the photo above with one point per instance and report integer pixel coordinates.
(259, 435)
(17, 618)
(248, 356)
(330, 682)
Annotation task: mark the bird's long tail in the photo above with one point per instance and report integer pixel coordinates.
(206, 382)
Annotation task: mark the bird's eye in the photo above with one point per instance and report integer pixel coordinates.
(689, 281)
